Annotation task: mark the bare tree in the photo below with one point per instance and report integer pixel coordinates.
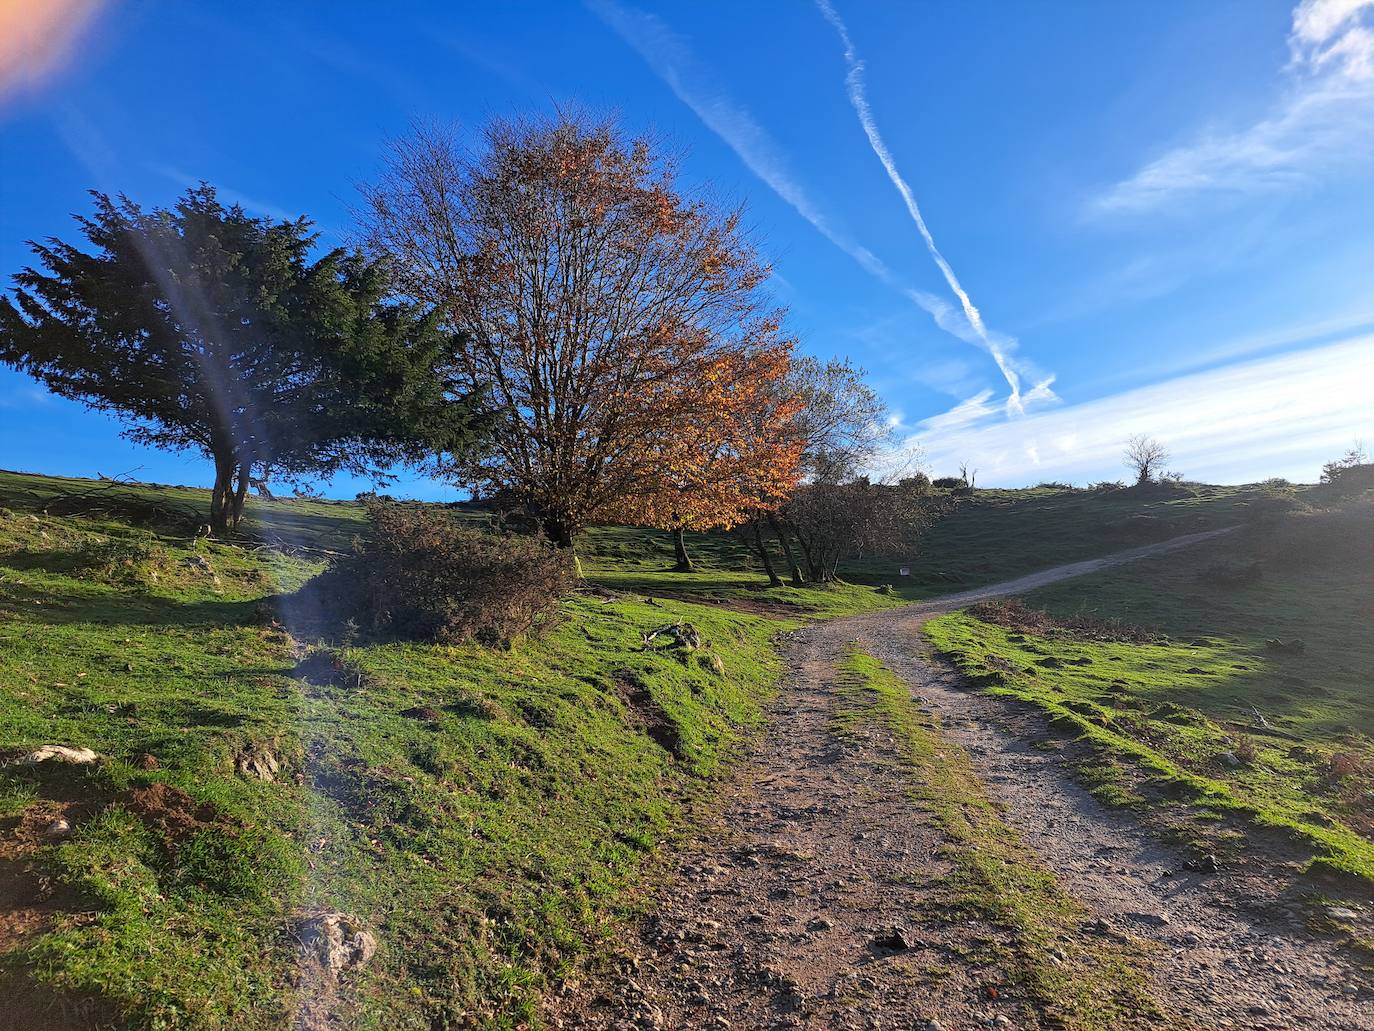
(858, 517)
(843, 423)
(970, 478)
(842, 427)
(1145, 456)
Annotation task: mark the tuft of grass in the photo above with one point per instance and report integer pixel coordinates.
(1096, 983)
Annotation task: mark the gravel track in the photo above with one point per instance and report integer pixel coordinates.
(770, 914)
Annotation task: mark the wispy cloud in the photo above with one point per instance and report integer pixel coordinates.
(673, 62)
(858, 98)
(225, 193)
(1276, 416)
(967, 412)
(25, 397)
(1323, 122)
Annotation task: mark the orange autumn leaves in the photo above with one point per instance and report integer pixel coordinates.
(613, 322)
(732, 449)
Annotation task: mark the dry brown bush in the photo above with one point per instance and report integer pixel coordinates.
(423, 576)
(1014, 614)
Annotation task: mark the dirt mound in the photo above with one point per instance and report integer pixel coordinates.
(169, 809)
(646, 713)
(1014, 614)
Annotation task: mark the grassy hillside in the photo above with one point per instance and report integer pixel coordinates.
(1001, 534)
(479, 811)
(1248, 700)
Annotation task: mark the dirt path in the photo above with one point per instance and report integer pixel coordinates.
(777, 915)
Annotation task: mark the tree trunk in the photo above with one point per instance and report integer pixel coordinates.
(240, 495)
(773, 579)
(684, 561)
(797, 579)
(813, 567)
(833, 573)
(221, 495)
(559, 531)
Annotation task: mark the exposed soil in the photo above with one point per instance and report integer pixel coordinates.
(753, 606)
(808, 903)
(30, 903)
(27, 899)
(168, 809)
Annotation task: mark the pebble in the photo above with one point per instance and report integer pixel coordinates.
(1157, 919)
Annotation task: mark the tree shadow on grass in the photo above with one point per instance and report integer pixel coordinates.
(23, 604)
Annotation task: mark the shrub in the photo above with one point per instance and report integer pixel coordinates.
(1014, 614)
(1303, 538)
(1274, 505)
(116, 560)
(423, 576)
(1243, 748)
(949, 482)
(1105, 486)
(1053, 485)
(1345, 480)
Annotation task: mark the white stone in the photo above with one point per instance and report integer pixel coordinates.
(62, 753)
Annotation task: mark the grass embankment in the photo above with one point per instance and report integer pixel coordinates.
(997, 535)
(1072, 980)
(1217, 719)
(480, 811)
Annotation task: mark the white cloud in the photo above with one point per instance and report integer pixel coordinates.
(1316, 21)
(1277, 416)
(1323, 123)
(967, 412)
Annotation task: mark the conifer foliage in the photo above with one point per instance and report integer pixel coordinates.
(208, 329)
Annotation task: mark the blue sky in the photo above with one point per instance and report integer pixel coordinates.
(1142, 217)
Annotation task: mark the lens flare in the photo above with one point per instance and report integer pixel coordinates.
(38, 40)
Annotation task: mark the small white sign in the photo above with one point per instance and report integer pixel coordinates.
(904, 571)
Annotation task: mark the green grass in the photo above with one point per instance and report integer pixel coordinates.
(485, 848)
(1097, 983)
(1002, 534)
(728, 571)
(1160, 716)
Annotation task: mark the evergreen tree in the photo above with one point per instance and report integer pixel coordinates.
(211, 330)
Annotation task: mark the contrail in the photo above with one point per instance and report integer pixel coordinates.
(671, 61)
(858, 98)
